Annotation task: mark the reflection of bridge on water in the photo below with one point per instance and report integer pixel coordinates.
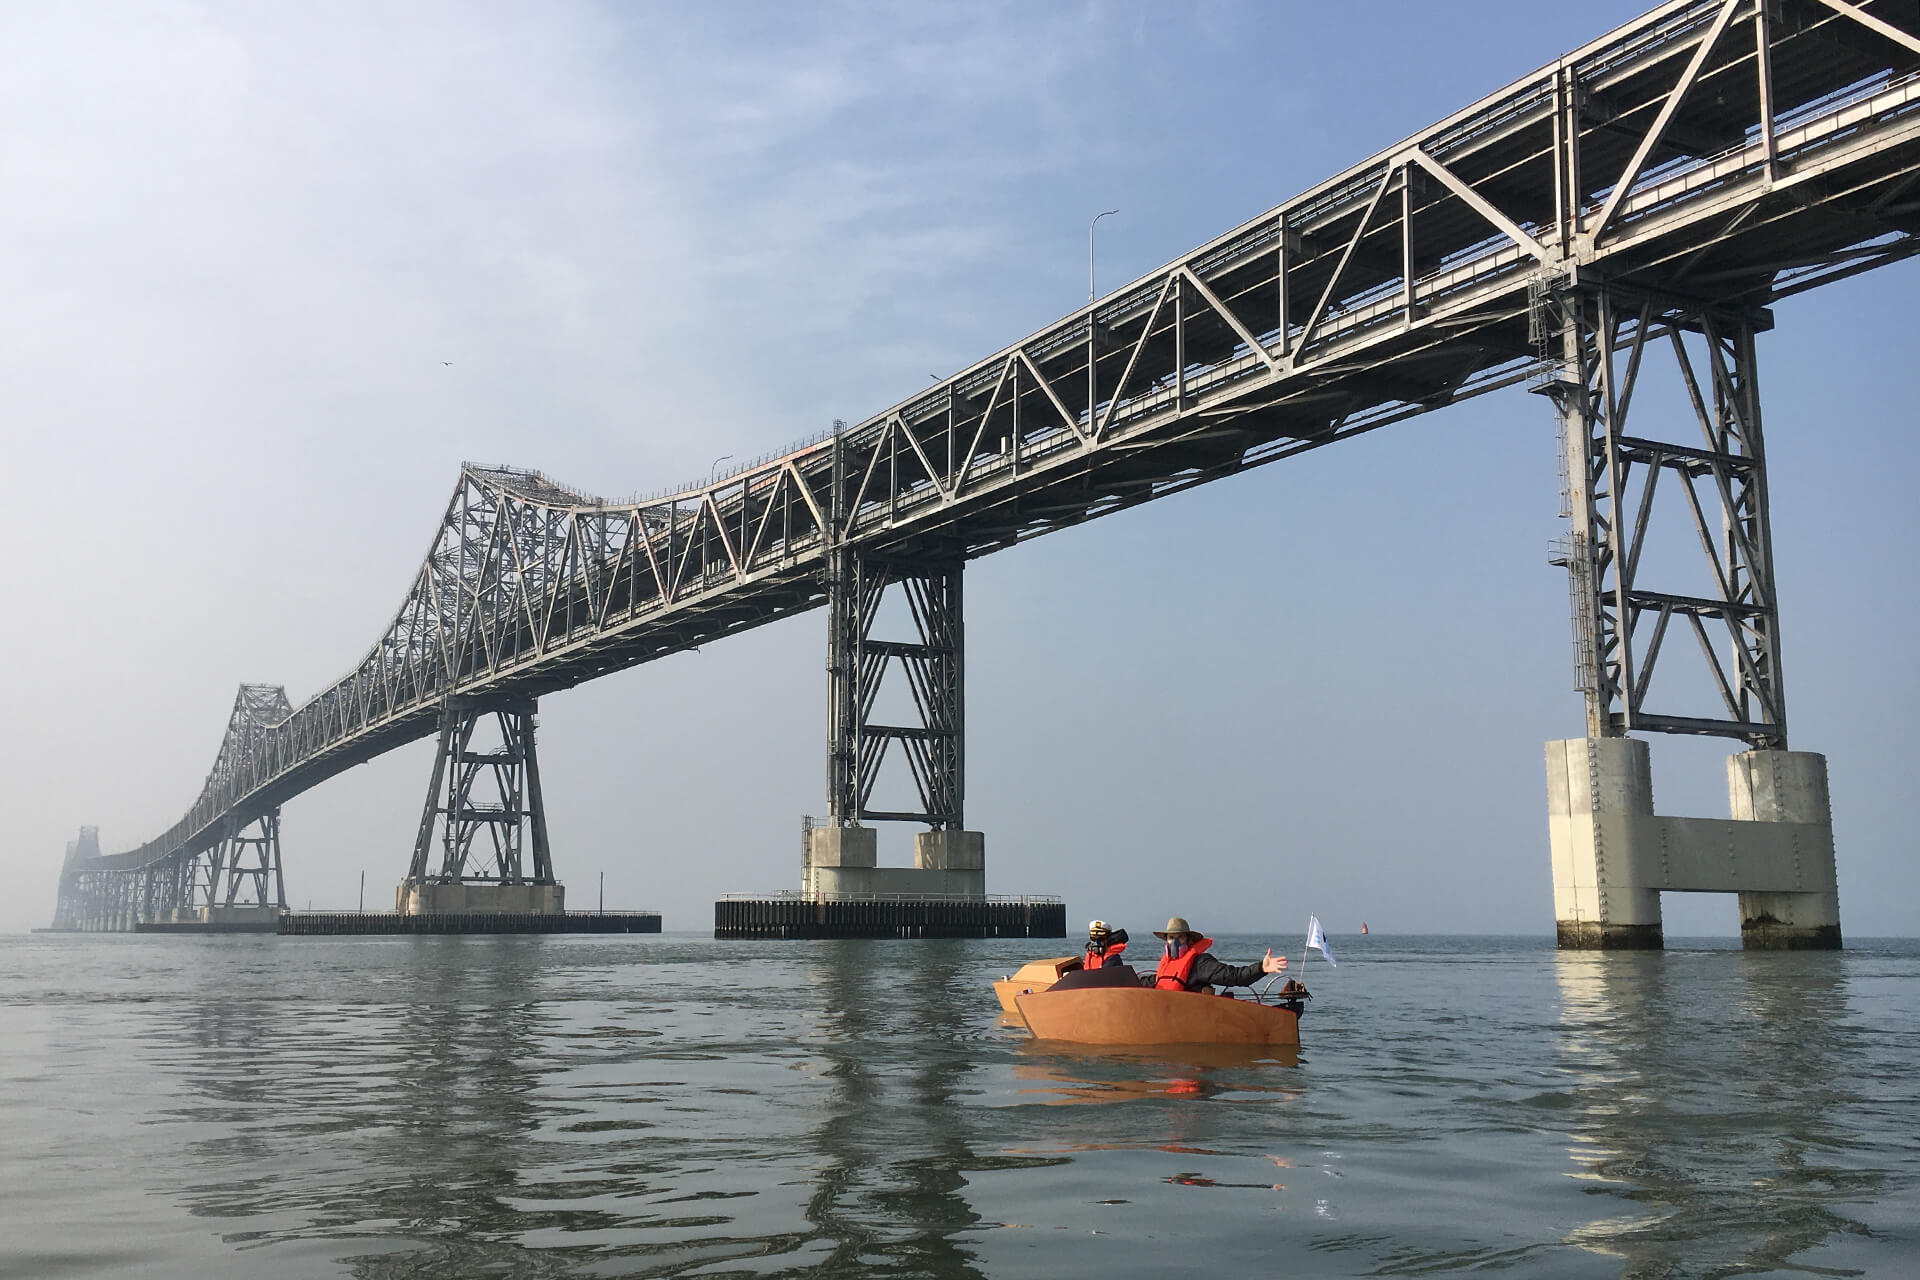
(1644, 199)
(495, 1114)
(1738, 1138)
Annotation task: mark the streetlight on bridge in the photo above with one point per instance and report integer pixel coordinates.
(1090, 226)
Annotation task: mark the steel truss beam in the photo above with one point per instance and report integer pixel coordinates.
(1618, 483)
(932, 664)
(480, 786)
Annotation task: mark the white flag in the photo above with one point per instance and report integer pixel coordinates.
(1316, 940)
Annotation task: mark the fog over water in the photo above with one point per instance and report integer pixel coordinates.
(273, 271)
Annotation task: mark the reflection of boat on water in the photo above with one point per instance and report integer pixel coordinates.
(1057, 1075)
(1058, 1000)
(1172, 1060)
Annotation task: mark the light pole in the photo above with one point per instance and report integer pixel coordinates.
(1090, 226)
(714, 470)
(1093, 333)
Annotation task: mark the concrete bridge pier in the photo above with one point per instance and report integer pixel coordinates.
(486, 804)
(1789, 788)
(246, 885)
(1613, 856)
(235, 883)
(840, 857)
(842, 862)
(1696, 465)
(844, 892)
(1603, 897)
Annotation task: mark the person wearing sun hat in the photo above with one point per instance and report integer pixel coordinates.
(1186, 966)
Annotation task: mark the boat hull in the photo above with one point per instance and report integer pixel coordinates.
(1035, 975)
(1125, 1015)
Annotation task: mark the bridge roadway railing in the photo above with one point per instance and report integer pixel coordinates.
(1712, 153)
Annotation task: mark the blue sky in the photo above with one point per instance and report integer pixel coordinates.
(241, 240)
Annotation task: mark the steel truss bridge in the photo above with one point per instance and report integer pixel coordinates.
(1646, 198)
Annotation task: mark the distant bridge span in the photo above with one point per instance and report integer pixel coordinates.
(1659, 187)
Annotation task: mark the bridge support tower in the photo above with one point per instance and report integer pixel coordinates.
(1698, 460)
(840, 856)
(491, 855)
(235, 883)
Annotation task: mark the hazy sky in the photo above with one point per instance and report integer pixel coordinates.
(237, 244)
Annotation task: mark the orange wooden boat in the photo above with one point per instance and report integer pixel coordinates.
(1135, 1015)
(1035, 975)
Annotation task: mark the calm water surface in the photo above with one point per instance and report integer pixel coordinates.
(678, 1106)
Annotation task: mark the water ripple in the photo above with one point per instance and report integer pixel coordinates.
(675, 1106)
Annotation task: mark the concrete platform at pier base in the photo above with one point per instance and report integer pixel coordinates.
(437, 898)
(362, 923)
(840, 863)
(235, 919)
(800, 917)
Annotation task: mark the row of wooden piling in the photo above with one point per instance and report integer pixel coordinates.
(797, 918)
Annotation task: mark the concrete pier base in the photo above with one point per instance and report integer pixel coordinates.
(1589, 935)
(1789, 788)
(433, 899)
(1597, 788)
(835, 856)
(219, 919)
(249, 917)
(840, 863)
(956, 859)
(1612, 857)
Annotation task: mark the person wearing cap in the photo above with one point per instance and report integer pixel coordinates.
(1186, 966)
(1104, 945)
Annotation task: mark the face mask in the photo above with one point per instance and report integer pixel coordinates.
(1175, 948)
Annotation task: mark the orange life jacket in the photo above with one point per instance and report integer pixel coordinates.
(1172, 974)
(1098, 956)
